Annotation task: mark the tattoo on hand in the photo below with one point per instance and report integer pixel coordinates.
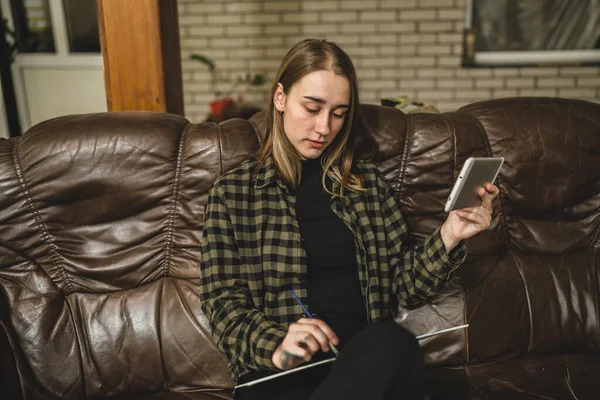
(286, 359)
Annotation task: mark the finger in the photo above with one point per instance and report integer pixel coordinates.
(492, 189)
(479, 210)
(481, 221)
(478, 224)
(486, 197)
(475, 211)
(318, 335)
(303, 325)
(306, 340)
(468, 209)
(322, 325)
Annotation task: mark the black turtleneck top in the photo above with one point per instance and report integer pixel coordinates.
(333, 284)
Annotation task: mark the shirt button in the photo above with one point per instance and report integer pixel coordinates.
(302, 238)
(445, 265)
(302, 279)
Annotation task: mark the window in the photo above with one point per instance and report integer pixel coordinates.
(33, 26)
(43, 26)
(82, 26)
(525, 32)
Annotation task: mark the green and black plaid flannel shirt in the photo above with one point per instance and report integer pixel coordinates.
(252, 255)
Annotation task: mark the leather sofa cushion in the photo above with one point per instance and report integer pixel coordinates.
(552, 377)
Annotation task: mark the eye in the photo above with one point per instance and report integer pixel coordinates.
(312, 111)
(339, 116)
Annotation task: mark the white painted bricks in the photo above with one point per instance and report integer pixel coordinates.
(398, 47)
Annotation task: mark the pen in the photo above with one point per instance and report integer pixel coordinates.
(309, 315)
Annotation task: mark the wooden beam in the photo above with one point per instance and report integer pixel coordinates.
(142, 60)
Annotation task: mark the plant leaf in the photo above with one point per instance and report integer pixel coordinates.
(205, 60)
(257, 80)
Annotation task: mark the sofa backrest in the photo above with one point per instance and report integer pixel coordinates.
(101, 215)
(530, 283)
(100, 223)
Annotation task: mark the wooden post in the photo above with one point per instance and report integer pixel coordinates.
(142, 60)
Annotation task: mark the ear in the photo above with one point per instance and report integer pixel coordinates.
(279, 98)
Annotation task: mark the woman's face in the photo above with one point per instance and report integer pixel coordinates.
(314, 110)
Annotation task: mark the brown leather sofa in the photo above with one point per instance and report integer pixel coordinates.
(100, 221)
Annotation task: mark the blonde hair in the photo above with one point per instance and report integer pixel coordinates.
(303, 58)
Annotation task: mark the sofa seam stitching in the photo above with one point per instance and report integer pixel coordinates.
(220, 147)
(42, 228)
(402, 173)
(175, 198)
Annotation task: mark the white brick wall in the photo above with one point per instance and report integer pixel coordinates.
(399, 47)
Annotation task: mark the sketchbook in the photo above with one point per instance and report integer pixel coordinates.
(330, 360)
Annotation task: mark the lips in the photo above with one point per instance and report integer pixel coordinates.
(316, 143)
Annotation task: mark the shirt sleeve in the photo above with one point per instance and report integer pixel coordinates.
(243, 334)
(418, 272)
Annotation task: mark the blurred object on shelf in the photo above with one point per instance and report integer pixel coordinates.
(408, 107)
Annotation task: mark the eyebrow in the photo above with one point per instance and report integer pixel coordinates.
(322, 101)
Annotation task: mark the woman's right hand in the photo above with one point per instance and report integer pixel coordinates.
(303, 339)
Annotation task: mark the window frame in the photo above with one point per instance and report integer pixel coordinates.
(523, 58)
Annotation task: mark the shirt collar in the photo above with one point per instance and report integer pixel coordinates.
(267, 175)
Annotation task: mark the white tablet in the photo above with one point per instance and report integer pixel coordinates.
(476, 172)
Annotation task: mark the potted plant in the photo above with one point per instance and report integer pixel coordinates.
(223, 99)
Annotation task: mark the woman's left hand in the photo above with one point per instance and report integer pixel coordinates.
(462, 224)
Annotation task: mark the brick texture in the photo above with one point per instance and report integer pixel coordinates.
(399, 47)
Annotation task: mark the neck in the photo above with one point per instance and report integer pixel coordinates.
(311, 166)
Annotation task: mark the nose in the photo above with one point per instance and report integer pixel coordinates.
(323, 124)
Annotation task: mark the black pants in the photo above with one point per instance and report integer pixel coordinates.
(382, 361)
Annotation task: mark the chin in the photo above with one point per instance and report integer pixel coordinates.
(311, 154)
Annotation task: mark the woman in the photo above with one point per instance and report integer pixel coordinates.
(307, 217)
